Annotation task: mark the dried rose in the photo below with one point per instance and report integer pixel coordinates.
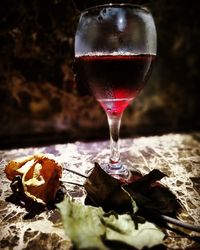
(40, 176)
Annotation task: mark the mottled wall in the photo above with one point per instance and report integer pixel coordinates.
(41, 102)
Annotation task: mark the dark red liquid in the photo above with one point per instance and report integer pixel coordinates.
(114, 80)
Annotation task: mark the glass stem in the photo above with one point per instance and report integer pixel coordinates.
(114, 122)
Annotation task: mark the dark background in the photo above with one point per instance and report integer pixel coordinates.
(40, 102)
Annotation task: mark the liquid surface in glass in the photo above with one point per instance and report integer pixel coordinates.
(114, 79)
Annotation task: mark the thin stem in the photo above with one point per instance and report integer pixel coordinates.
(174, 221)
(114, 122)
(75, 172)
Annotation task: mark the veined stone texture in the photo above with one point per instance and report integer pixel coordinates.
(41, 101)
(177, 155)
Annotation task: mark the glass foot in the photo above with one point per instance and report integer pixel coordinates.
(117, 170)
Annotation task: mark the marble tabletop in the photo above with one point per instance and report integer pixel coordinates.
(177, 155)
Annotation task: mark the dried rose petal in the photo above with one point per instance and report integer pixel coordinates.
(41, 182)
(13, 167)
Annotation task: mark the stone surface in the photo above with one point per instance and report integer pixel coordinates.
(177, 155)
(38, 90)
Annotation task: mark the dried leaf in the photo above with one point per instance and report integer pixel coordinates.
(105, 191)
(99, 185)
(122, 229)
(82, 224)
(90, 228)
(109, 193)
(149, 193)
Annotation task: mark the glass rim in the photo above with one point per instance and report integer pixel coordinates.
(120, 5)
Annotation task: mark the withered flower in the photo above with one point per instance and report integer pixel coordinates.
(40, 176)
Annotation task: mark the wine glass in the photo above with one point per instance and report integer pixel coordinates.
(115, 46)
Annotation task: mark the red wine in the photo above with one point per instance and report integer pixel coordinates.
(114, 80)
